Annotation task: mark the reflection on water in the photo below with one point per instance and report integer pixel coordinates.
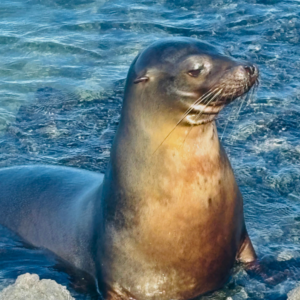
(62, 71)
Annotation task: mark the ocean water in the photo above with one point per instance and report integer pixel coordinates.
(62, 71)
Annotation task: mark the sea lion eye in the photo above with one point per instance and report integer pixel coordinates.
(195, 73)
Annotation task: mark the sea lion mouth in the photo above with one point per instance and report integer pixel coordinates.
(207, 109)
(207, 113)
(235, 83)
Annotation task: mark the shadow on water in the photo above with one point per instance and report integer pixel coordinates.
(18, 257)
(57, 124)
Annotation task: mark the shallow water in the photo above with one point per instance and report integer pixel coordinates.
(62, 70)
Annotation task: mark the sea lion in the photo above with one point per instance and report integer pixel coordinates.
(166, 221)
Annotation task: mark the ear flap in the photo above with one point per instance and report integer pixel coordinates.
(141, 79)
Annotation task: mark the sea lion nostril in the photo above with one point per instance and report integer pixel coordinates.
(250, 69)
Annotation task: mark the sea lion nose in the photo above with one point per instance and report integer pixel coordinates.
(251, 69)
(248, 71)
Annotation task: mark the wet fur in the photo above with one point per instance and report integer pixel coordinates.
(167, 220)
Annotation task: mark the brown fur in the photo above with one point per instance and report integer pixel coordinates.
(181, 210)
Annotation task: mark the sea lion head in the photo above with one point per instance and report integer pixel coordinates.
(190, 79)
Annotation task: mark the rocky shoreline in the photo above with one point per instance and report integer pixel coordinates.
(30, 287)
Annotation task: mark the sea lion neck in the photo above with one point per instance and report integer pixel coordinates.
(186, 152)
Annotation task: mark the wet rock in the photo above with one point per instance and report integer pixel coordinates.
(294, 294)
(30, 287)
(287, 254)
(241, 295)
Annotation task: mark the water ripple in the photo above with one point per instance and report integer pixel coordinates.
(62, 71)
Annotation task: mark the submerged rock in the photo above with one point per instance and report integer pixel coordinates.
(30, 287)
(294, 294)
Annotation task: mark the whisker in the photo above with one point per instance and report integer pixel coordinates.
(198, 101)
(220, 91)
(254, 88)
(244, 97)
(187, 134)
(199, 114)
(228, 119)
(210, 100)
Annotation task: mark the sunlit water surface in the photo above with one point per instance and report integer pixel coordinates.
(62, 70)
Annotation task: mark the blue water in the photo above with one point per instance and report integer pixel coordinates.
(62, 71)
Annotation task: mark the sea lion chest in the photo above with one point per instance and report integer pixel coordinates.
(184, 223)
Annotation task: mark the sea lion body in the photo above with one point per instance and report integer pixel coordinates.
(53, 207)
(167, 220)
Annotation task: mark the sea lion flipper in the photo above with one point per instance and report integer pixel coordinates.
(256, 267)
(116, 292)
(247, 253)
